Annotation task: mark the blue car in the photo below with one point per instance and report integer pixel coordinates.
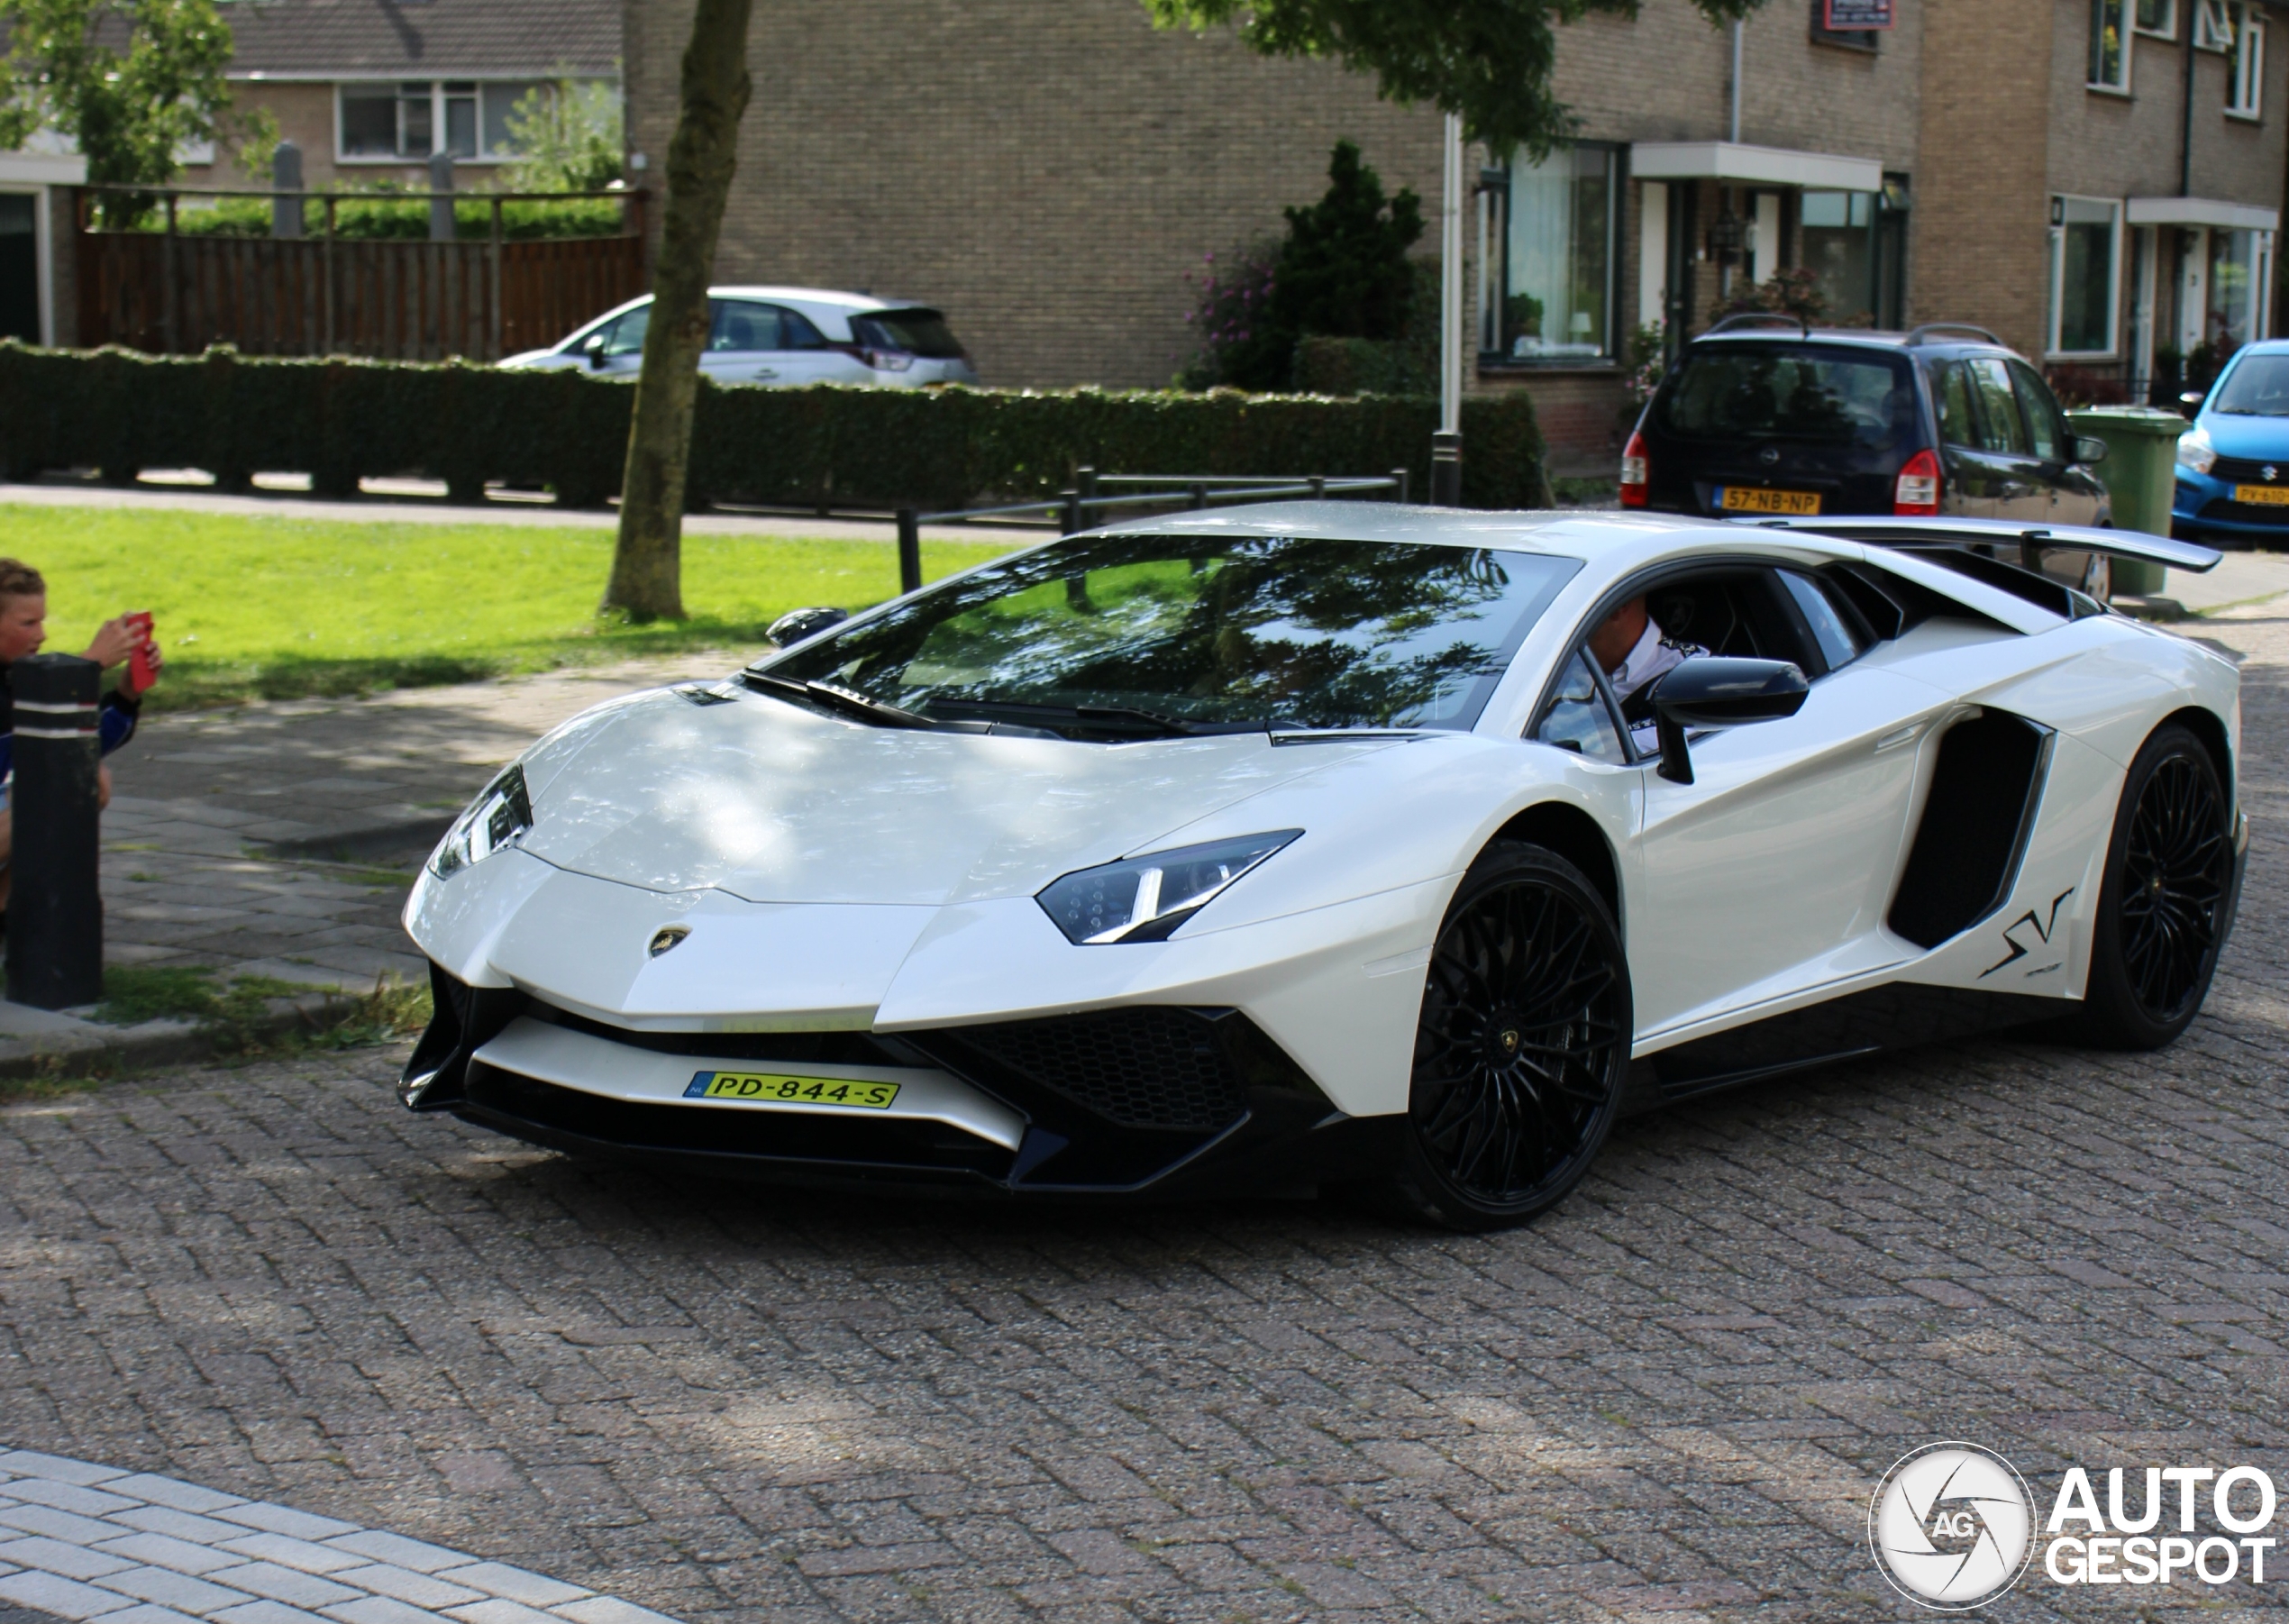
(2233, 465)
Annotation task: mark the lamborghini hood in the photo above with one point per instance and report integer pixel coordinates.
(772, 803)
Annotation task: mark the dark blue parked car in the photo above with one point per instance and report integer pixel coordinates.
(2233, 465)
(1763, 414)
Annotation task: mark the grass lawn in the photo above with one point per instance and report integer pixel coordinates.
(281, 608)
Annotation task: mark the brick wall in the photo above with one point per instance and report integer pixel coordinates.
(1979, 234)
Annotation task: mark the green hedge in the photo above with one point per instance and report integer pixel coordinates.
(340, 420)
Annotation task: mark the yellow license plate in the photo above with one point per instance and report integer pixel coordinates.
(2270, 496)
(778, 1088)
(1752, 498)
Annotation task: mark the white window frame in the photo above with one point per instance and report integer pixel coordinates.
(2166, 29)
(437, 99)
(2128, 9)
(2212, 26)
(2057, 272)
(2245, 82)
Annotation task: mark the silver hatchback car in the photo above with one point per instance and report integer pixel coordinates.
(781, 336)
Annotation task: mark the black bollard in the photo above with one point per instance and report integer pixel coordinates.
(910, 550)
(55, 916)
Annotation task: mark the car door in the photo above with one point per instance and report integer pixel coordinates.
(743, 341)
(2075, 494)
(1771, 873)
(2022, 489)
(1973, 484)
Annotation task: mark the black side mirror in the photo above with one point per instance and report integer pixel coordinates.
(2088, 449)
(796, 625)
(594, 350)
(1721, 693)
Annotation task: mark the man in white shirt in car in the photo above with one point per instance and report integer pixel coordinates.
(1635, 653)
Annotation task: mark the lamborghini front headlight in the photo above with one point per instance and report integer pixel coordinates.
(495, 819)
(1143, 899)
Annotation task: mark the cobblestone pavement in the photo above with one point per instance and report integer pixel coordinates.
(1670, 1399)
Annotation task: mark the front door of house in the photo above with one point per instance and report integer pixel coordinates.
(19, 268)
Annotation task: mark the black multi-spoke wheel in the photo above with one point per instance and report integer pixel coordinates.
(2162, 915)
(1522, 1044)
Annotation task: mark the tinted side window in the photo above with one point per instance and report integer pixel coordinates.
(1831, 629)
(795, 331)
(2001, 427)
(625, 336)
(2045, 424)
(1579, 719)
(1958, 423)
(735, 325)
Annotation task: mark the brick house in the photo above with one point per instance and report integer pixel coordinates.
(1049, 172)
(368, 90)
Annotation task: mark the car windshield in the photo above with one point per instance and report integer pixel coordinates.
(2258, 388)
(1308, 632)
(922, 332)
(1790, 392)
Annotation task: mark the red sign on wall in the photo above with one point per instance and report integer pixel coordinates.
(1854, 14)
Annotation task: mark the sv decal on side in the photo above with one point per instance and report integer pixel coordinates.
(2042, 929)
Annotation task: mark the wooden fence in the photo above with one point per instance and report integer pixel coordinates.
(169, 293)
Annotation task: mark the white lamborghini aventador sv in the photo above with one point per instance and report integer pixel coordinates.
(1287, 848)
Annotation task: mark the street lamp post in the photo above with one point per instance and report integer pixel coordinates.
(1446, 444)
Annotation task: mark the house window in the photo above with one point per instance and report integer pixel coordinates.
(2213, 25)
(2159, 17)
(1837, 231)
(408, 122)
(2109, 67)
(2245, 63)
(2085, 275)
(500, 100)
(1852, 39)
(1558, 258)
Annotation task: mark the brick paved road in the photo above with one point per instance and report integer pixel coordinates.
(1670, 1398)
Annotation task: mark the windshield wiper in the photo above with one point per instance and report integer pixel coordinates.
(1096, 718)
(850, 702)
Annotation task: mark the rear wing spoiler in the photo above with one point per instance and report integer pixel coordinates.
(2031, 540)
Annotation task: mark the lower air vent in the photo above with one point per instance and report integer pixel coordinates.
(1975, 821)
(1138, 1068)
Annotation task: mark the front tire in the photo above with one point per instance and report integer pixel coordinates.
(2162, 910)
(1521, 1047)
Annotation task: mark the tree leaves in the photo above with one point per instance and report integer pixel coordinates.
(131, 110)
(1490, 61)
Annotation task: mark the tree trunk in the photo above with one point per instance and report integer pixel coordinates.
(647, 565)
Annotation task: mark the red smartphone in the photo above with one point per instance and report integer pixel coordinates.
(139, 674)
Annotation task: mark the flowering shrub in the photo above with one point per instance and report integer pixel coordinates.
(1795, 292)
(1231, 320)
(1646, 364)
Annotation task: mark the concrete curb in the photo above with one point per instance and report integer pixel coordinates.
(37, 1042)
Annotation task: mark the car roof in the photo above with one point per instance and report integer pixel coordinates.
(815, 295)
(1860, 338)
